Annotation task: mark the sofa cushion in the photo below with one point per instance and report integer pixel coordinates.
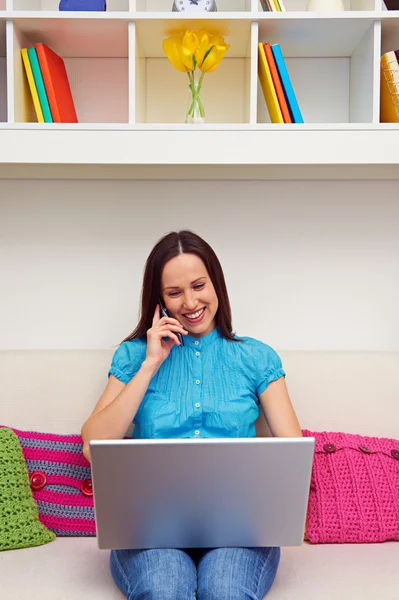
(19, 520)
(74, 568)
(354, 490)
(60, 478)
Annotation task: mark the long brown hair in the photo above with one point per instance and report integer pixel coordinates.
(171, 245)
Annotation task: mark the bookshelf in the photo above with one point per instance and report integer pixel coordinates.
(131, 102)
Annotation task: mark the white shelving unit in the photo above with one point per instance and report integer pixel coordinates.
(131, 102)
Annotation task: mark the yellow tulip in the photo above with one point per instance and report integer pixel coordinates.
(172, 47)
(203, 46)
(189, 47)
(214, 55)
(195, 49)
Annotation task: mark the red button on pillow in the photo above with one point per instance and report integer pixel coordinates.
(329, 447)
(86, 487)
(37, 481)
(365, 449)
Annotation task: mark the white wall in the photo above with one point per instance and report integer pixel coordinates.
(309, 265)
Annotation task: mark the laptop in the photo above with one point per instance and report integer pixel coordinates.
(201, 493)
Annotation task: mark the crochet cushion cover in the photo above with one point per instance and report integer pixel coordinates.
(354, 490)
(20, 526)
(60, 480)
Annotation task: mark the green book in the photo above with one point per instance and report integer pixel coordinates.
(41, 90)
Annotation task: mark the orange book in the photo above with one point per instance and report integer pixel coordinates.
(57, 86)
(277, 84)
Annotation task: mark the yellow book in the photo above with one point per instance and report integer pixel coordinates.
(267, 85)
(389, 88)
(32, 85)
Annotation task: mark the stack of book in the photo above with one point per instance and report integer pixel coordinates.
(389, 87)
(276, 85)
(272, 5)
(49, 85)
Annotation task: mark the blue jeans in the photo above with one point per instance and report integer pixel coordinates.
(202, 573)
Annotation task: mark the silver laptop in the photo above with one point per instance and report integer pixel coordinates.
(201, 493)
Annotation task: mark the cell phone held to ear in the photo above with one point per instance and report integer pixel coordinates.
(164, 313)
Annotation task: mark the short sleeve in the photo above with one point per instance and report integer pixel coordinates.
(128, 359)
(268, 367)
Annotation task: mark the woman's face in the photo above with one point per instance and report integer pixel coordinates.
(189, 295)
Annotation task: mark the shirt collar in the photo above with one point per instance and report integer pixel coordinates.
(202, 342)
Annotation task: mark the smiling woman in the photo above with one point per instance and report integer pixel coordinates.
(212, 386)
(191, 299)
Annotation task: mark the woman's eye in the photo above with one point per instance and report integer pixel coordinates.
(196, 287)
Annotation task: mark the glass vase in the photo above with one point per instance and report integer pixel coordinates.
(195, 109)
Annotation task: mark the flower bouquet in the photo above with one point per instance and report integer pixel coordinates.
(195, 53)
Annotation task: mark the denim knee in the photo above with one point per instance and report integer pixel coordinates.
(154, 575)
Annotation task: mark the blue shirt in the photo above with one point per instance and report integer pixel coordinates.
(207, 388)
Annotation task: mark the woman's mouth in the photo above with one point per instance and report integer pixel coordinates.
(195, 317)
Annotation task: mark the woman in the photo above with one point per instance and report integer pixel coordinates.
(210, 385)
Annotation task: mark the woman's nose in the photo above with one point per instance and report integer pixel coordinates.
(189, 301)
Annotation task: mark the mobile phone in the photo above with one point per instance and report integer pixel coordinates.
(164, 313)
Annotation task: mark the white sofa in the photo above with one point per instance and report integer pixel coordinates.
(54, 391)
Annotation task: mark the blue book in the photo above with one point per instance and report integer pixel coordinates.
(286, 83)
(41, 89)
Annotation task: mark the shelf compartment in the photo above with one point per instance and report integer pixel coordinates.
(333, 82)
(162, 93)
(3, 73)
(349, 6)
(52, 5)
(96, 58)
(165, 6)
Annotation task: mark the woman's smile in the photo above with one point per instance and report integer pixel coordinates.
(195, 317)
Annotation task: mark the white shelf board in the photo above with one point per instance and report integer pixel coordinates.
(245, 145)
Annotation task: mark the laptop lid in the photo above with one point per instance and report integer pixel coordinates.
(201, 493)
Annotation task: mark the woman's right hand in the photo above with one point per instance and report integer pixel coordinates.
(157, 349)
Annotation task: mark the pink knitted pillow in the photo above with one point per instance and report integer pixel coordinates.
(60, 479)
(354, 491)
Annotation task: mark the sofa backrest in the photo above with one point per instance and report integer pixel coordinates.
(355, 392)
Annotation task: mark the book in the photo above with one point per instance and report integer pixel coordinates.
(389, 88)
(266, 83)
(57, 85)
(41, 90)
(392, 4)
(277, 84)
(32, 85)
(293, 106)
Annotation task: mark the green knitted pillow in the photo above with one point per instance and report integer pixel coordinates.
(19, 518)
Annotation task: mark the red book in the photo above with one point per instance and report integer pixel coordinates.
(57, 86)
(277, 84)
